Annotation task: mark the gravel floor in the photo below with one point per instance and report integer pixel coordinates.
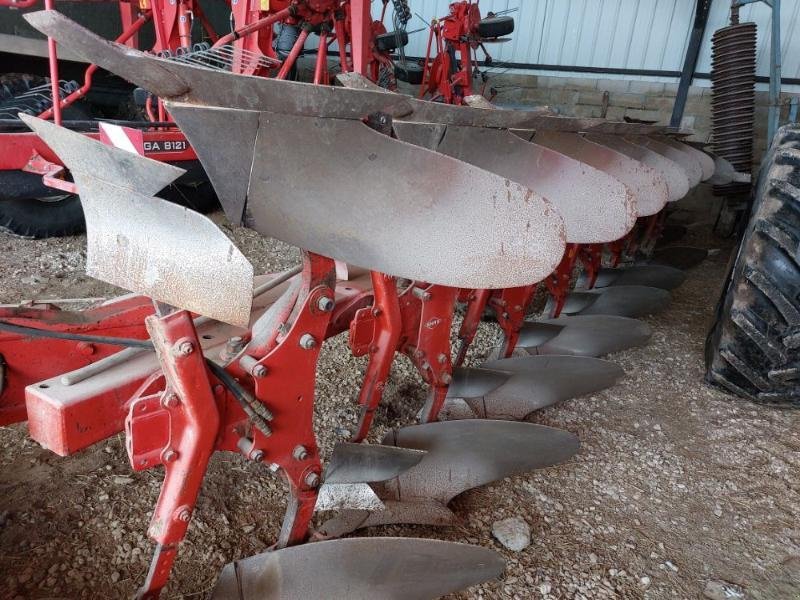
(679, 491)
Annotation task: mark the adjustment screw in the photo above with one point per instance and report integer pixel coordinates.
(312, 479)
(171, 400)
(307, 341)
(234, 345)
(300, 453)
(326, 304)
(184, 348)
(169, 456)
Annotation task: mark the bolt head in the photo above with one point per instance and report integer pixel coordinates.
(184, 515)
(300, 453)
(312, 479)
(446, 378)
(169, 456)
(258, 455)
(326, 304)
(307, 341)
(171, 400)
(259, 371)
(86, 348)
(184, 348)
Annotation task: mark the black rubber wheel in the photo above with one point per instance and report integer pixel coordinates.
(386, 42)
(493, 27)
(199, 196)
(34, 218)
(753, 350)
(411, 73)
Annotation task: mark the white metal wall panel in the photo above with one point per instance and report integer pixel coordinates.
(626, 34)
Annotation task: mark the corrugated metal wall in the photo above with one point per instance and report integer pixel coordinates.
(626, 34)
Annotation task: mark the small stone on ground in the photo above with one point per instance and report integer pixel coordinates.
(513, 533)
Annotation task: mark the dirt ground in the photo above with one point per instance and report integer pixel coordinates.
(677, 488)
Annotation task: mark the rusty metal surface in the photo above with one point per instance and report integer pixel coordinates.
(596, 207)
(688, 163)
(648, 186)
(676, 178)
(659, 276)
(145, 244)
(189, 83)
(583, 335)
(465, 454)
(381, 568)
(621, 300)
(383, 204)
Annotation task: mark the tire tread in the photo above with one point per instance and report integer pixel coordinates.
(751, 349)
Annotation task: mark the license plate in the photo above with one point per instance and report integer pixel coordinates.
(160, 146)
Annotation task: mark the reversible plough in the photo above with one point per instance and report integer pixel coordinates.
(425, 205)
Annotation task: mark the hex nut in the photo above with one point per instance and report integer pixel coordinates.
(326, 304)
(308, 341)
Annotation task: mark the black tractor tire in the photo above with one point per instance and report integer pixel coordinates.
(199, 196)
(409, 72)
(494, 27)
(34, 218)
(753, 349)
(386, 42)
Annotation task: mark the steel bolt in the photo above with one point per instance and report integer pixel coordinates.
(312, 479)
(183, 514)
(326, 304)
(446, 378)
(86, 348)
(184, 348)
(259, 371)
(169, 456)
(234, 345)
(307, 341)
(257, 455)
(300, 453)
